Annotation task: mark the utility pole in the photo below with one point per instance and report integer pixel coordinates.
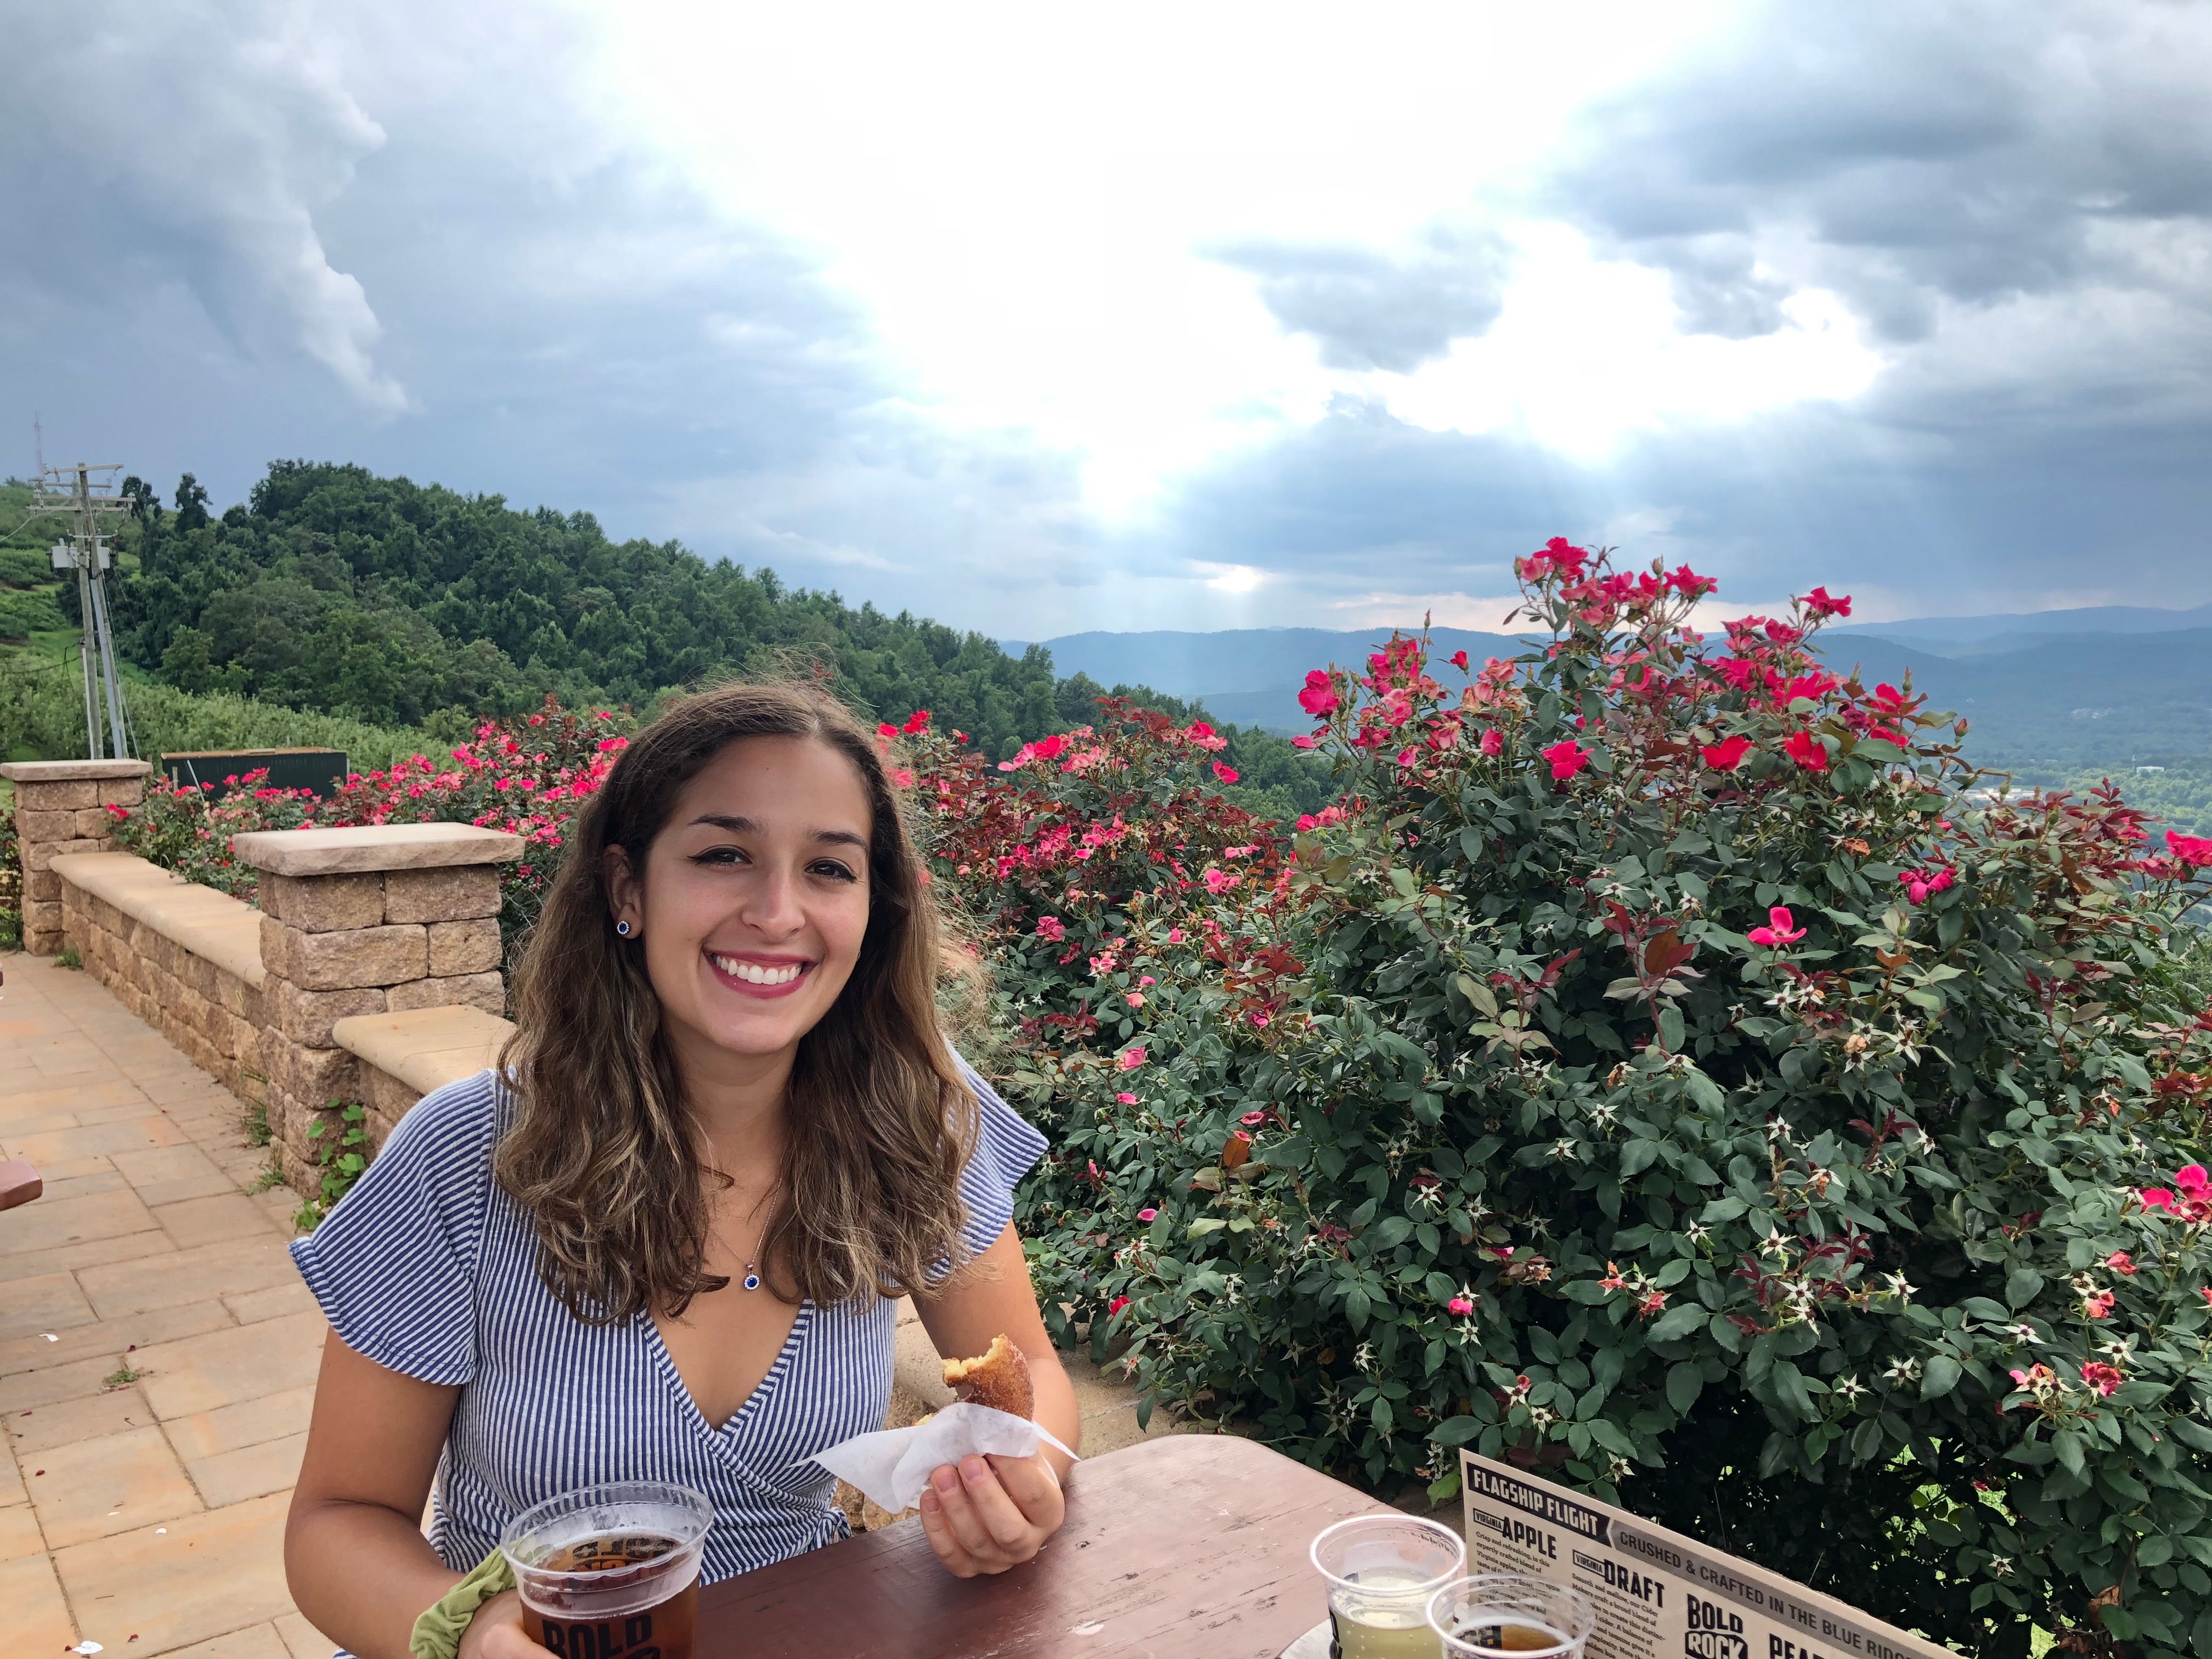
(75, 492)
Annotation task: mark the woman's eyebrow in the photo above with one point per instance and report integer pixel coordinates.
(742, 826)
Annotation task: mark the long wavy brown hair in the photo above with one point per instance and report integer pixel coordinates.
(602, 1150)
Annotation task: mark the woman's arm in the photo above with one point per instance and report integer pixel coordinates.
(991, 1513)
(354, 1555)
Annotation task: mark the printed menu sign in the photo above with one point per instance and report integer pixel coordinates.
(1658, 1595)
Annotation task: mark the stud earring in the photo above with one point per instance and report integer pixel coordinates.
(622, 927)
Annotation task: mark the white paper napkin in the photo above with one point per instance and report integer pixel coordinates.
(892, 1466)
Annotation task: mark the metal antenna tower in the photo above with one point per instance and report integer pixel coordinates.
(76, 492)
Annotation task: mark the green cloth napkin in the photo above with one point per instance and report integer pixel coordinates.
(438, 1629)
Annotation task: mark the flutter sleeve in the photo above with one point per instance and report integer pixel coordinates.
(1006, 1149)
(393, 1265)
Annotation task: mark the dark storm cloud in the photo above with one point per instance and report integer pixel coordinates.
(147, 148)
(1370, 310)
(1907, 154)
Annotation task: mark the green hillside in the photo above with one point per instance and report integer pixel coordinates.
(411, 609)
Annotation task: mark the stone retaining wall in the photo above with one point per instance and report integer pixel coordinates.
(380, 920)
(61, 809)
(392, 923)
(184, 959)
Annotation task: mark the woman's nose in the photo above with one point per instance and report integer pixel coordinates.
(774, 908)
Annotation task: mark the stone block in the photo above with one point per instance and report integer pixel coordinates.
(46, 885)
(311, 1076)
(41, 916)
(122, 791)
(189, 1009)
(373, 846)
(389, 1098)
(95, 822)
(46, 826)
(459, 893)
(337, 962)
(308, 1015)
(484, 990)
(464, 947)
(64, 797)
(42, 854)
(325, 904)
(196, 974)
(276, 952)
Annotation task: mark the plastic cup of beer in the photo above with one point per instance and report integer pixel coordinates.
(1497, 1614)
(611, 1573)
(1381, 1571)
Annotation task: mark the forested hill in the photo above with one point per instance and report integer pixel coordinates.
(402, 603)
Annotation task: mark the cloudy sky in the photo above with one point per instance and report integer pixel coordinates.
(1043, 319)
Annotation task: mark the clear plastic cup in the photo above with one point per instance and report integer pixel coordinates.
(1381, 1571)
(1497, 1614)
(611, 1573)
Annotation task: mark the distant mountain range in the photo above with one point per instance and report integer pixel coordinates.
(2110, 685)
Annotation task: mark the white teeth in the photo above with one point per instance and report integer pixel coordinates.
(754, 974)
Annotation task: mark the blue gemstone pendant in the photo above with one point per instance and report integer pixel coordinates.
(752, 1279)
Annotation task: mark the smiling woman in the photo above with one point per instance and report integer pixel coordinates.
(662, 1241)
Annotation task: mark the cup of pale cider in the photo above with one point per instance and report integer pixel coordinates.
(1497, 1614)
(611, 1573)
(1381, 1571)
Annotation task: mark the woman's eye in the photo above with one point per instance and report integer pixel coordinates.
(832, 869)
(722, 855)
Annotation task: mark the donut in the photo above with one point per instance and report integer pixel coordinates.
(998, 1378)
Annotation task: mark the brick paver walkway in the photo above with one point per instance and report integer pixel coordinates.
(145, 1513)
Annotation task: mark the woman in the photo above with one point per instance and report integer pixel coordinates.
(665, 1247)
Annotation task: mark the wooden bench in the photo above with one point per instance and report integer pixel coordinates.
(19, 1184)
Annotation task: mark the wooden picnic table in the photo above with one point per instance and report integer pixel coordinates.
(1189, 1546)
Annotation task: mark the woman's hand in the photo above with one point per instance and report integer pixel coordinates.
(986, 1514)
(495, 1631)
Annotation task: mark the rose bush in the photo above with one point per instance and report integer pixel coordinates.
(523, 775)
(1652, 1070)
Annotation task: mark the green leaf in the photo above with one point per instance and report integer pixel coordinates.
(1444, 1489)
(1677, 1322)
(2068, 1446)
(1670, 1021)
(1636, 1157)
(1685, 1382)
(1790, 1388)
(2022, 1285)
(1939, 1377)
(1477, 994)
(1456, 1431)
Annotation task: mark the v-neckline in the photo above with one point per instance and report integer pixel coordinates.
(761, 1390)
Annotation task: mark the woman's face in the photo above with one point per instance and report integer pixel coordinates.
(755, 897)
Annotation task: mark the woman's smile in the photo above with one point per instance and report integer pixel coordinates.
(752, 974)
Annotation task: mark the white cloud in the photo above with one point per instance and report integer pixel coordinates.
(1028, 200)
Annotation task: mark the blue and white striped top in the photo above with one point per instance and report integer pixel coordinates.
(429, 1269)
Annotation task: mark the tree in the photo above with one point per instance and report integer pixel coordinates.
(191, 504)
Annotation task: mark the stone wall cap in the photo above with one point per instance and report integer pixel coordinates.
(426, 1048)
(71, 771)
(212, 926)
(373, 846)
